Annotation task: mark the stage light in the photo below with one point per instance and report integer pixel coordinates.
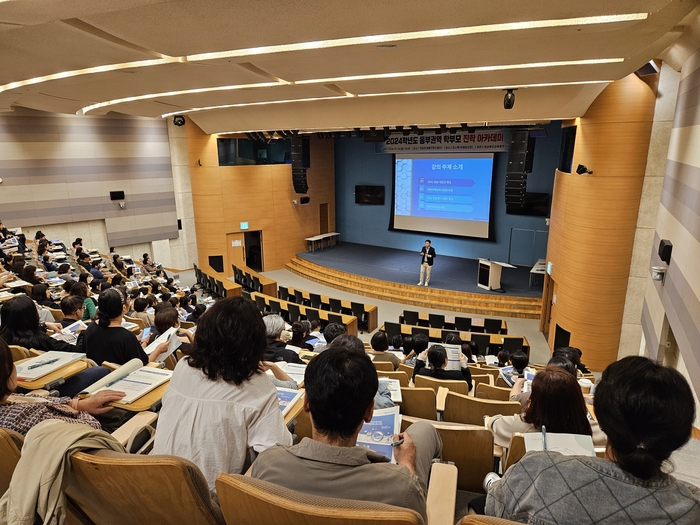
(583, 170)
(509, 99)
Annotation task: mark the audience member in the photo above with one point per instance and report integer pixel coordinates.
(647, 411)
(66, 273)
(396, 342)
(331, 331)
(276, 348)
(72, 307)
(107, 340)
(80, 289)
(382, 398)
(503, 358)
(48, 265)
(409, 354)
(19, 325)
(29, 274)
(315, 329)
(517, 393)
(519, 362)
(196, 314)
(42, 296)
(437, 356)
(557, 403)
(340, 386)
(420, 345)
(298, 337)
(21, 412)
(219, 403)
(380, 350)
(140, 305)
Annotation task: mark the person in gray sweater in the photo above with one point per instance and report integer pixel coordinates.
(647, 411)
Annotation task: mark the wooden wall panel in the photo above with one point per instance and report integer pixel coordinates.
(262, 195)
(593, 219)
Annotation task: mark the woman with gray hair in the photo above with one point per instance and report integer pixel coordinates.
(276, 348)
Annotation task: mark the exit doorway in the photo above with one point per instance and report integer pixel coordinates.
(253, 250)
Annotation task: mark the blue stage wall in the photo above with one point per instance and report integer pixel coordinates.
(356, 163)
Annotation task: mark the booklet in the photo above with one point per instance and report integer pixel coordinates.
(296, 372)
(394, 387)
(74, 329)
(567, 444)
(491, 360)
(17, 283)
(288, 398)
(45, 364)
(129, 326)
(453, 355)
(165, 336)
(378, 434)
(133, 378)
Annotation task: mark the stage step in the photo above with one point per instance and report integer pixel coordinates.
(424, 298)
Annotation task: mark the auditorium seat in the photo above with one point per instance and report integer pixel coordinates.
(486, 391)
(316, 301)
(452, 385)
(10, 452)
(246, 501)
(335, 305)
(358, 310)
(418, 402)
(312, 315)
(260, 301)
(283, 294)
(384, 366)
(293, 312)
(400, 375)
(436, 321)
(463, 324)
(418, 330)
(392, 329)
(516, 450)
(446, 334)
(512, 344)
(113, 488)
(410, 317)
(460, 408)
(492, 326)
(480, 378)
(469, 447)
(483, 342)
(335, 318)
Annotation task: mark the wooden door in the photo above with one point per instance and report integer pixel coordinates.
(236, 251)
(323, 218)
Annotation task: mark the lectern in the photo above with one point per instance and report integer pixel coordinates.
(489, 276)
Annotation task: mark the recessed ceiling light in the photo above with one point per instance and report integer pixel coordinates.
(419, 35)
(338, 42)
(386, 46)
(452, 90)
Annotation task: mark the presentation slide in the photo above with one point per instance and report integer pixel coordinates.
(448, 194)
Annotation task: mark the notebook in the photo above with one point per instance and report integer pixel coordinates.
(45, 364)
(133, 378)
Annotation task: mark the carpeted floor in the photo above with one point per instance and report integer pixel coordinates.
(401, 266)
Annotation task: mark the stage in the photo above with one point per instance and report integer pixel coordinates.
(401, 266)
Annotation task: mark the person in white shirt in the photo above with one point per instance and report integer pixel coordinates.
(219, 404)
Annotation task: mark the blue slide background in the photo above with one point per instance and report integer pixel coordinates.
(450, 188)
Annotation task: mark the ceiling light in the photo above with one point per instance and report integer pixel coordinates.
(245, 104)
(418, 35)
(476, 69)
(149, 96)
(338, 42)
(483, 88)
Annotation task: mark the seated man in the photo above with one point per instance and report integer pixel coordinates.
(73, 308)
(340, 386)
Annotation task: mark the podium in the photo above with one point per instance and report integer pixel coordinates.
(489, 275)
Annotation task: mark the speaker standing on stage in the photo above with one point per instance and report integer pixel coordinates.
(426, 263)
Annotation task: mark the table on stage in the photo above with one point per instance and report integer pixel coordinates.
(311, 241)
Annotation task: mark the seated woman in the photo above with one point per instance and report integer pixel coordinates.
(20, 326)
(380, 350)
(219, 404)
(140, 306)
(298, 337)
(647, 411)
(196, 314)
(42, 296)
(80, 289)
(556, 402)
(107, 340)
(66, 273)
(519, 362)
(166, 319)
(437, 357)
(21, 412)
(148, 264)
(29, 274)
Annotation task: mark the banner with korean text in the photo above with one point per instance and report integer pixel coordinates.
(492, 140)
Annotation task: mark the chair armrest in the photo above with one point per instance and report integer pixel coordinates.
(141, 419)
(440, 398)
(111, 366)
(442, 494)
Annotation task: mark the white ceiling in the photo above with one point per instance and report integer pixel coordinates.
(45, 37)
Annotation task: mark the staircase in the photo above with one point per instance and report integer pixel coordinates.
(424, 298)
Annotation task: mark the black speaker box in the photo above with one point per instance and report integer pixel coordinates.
(665, 247)
(521, 153)
(300, 152)
(305, 199)
(299, 180)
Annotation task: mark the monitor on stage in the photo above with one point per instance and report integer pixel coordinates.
(443, 193)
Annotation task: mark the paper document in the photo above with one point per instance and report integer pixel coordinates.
(288, 398)
(378, 434)
(17, 283)
(129, 326)
(453, 357)
(394, 387)
(567, 444)
(175, 343)
(296, 372)
(165, 336)
(133, 378)
(45, 364)
(74, 329)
